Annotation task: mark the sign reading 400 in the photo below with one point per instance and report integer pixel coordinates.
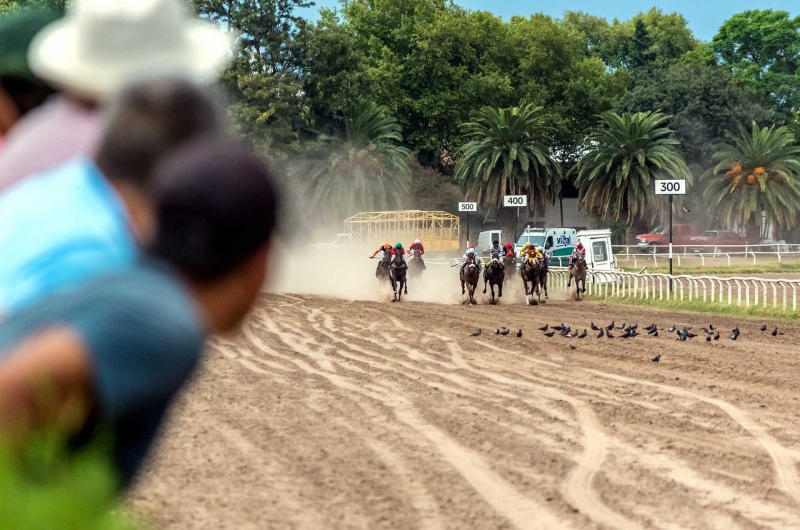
(516, 201)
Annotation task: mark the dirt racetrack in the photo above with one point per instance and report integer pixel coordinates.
(325, 413)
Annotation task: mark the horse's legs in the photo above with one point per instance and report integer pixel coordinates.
(569, 282)
(484, 283)
(405, 286)
(462, 286)
(500, 290)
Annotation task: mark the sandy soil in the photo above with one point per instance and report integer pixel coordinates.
(330, 413)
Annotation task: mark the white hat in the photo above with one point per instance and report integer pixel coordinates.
(102, 44)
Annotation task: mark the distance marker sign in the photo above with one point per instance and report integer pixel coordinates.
(671, 187)
(515, 201)
(468, 207)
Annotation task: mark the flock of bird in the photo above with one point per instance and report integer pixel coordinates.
(631, 331)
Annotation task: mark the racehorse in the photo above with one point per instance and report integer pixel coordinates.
(470, 275)
(397, 274)
(510, 264)
(530, 273)
(543, 270)
(415, 264)
(382, 272)
(494, 275)
(578, 272)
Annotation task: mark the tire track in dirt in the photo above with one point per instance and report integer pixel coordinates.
(577, 489)
(521, 511)
(783, 459)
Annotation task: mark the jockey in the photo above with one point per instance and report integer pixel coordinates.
(417, 246)
(471, 252)
(509, 248)
(398, 254)
(530, 251)
(577, 251)
(495, 251)
(384, 248)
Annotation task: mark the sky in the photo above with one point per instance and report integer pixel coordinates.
(704, 16)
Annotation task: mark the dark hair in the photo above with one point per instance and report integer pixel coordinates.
(149, 120)
(216, 206)
(25, 92)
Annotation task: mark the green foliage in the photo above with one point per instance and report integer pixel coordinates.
(762, 47)
(7, 6)
(505, 154)
(758, 171)
(360, 168)
(45, 487)
(626, 154)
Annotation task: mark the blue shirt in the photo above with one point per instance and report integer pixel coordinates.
(57, 230)
(144, 337)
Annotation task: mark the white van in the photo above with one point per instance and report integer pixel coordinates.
(557, 242)
(485, 241)
(599, 256)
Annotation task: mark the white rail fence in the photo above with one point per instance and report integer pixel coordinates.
(751, 254)
(740, 291)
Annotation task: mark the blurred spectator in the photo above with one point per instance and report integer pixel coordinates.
(60, 228)
(99, 46)
(20, 91)
(123, 345)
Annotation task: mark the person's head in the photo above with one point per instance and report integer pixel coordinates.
(217, 208)
(508, 245)
(398, 246)
(20, 90)
(386, 246)
(417, 242)
(579, 246)
(101, 45)
(495, 242)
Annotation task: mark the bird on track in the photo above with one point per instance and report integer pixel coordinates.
(764, 327)
(735, 333)
(716, 337)
(610, 326)
(549, 334)
(609, 335)
(650, 327)
(673, 328)
(775, 332)
(505, 331)
(634, 334)
(655, 333)
(497, 332)
(708, 338)
(519, 333)
(682, 335)
(621, 326)
(711, 327)
(558, 328)
(546, 326)
(600, 335)
(688, 334)
(634, 327)
(657, 358)
(594, 328)
(571, 346)
(625, 335)
(583, 335)
(477, 333)
(707, 332)
(653, 330)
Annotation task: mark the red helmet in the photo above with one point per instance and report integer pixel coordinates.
(579, 245)
(508, 245)
(472, 247)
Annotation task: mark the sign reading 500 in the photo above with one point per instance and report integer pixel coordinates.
(516, 201)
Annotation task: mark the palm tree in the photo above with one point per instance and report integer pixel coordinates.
(626, 154)
(506, 155)
(360, 167)
(758, 172)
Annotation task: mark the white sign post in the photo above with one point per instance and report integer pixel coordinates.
(469, 207)
(515, 201)
(671, 188)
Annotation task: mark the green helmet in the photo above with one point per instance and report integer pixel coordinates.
(399, 245)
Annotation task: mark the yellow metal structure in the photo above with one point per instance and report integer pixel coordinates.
(439, 231)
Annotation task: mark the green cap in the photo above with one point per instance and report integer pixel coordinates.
(17, 30)
(399, 245)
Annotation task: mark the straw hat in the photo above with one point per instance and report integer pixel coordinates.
(102, 44)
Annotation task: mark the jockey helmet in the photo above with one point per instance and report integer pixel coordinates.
(472, 247)
(495, 242)
(399, 245)
(387, 245)
(417, 242)
(579, 245)
(508, 245)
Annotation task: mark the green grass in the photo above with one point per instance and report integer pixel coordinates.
(47, 488)
(698, 306)
(736, 270)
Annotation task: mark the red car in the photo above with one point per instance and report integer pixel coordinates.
(719, 241)
(682, 234)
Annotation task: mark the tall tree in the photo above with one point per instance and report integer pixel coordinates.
(759, 171)
(360, 168)
(626, 154)
(762, 47)
(507, 154)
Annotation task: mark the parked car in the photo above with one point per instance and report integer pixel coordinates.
(718, 239)
(682, 235)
